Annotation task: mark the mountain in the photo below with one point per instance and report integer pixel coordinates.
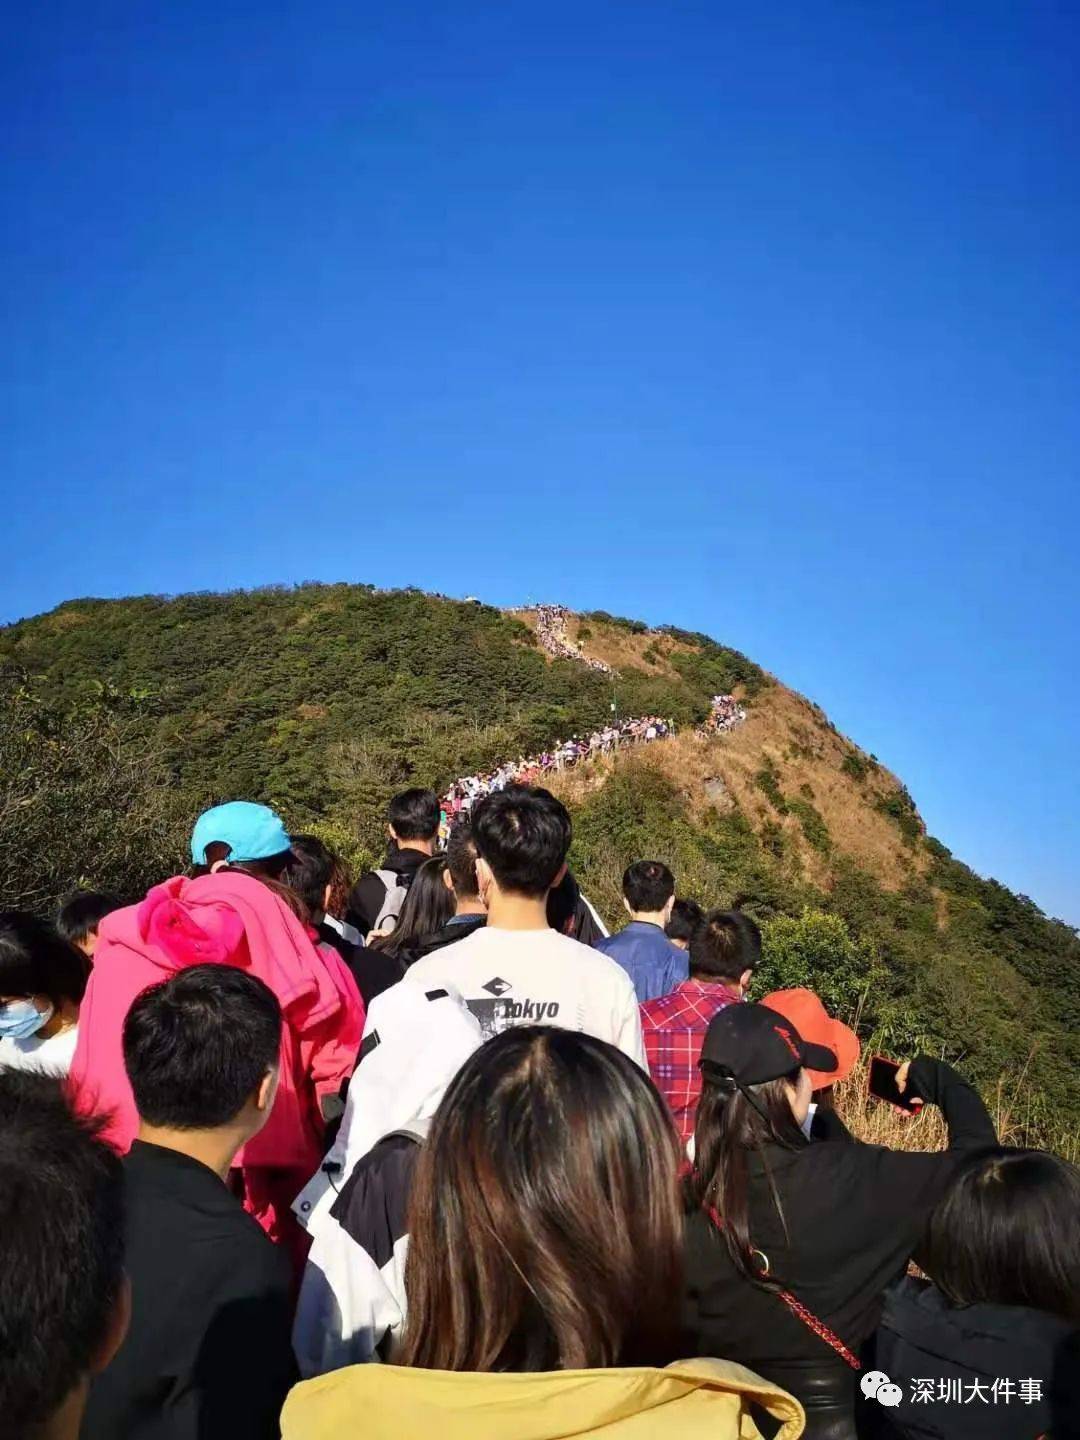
(124, 718)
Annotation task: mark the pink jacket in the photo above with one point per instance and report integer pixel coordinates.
(225, 919)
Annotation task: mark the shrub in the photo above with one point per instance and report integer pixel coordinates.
(855, 765)
(816, 950)
(87, 798)
(767, 781)
(813, 826)
(900, 808)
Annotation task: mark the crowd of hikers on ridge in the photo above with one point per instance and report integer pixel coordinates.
(553, 636)
(463, 794)
(288, 1151)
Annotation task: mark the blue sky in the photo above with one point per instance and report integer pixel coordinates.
(763, 320)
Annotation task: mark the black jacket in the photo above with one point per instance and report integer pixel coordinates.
(367, 895)
(208, 1352)
(456, 928)
(957, 1353)
(854, 1214)
(372, 970)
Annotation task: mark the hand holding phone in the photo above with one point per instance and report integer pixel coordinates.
(888, 1081)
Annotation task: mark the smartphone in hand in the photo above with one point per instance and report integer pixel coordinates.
(882, 1085)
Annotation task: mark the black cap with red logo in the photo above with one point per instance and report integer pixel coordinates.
(753, 1044)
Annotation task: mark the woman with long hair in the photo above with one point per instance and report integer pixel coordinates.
(790, 1244)
(1002, 1251)
(428, 905)
(543, 1270)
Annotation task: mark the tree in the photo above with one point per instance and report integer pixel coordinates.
(84, 798)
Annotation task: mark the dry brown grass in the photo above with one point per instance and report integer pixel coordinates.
(695, 765)
(1018, 1115)
(624, 650)
(787, 731)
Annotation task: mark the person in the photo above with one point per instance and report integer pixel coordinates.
(236, 912)
(429, 904)
(807, 1013)
(80, 915)
(209, 1352)
(685, 915)
(413, 826)
(543, 1269)
(352, 1299)
(311, 872)
(653, 963)
(460, 876)
(42, 983)
(790, 1245)
(724, 950)
(517, 969)
(1001, 1308)
(64, 1302)
(573, 913)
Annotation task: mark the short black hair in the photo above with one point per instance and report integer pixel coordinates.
(82, 913)
(309, 870)
(461, 861)
(414, 814)
(34, 960)
(197, 1046)
(1007, 1232)
(686, 915)
(724, 944)
(524, 834)
(61, 1248)
(648, 885)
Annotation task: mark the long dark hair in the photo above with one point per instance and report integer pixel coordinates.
(268, 872)
(545, 1227)
(730, 1124)
(34, 960)
(1007, 1232)
(428, 905)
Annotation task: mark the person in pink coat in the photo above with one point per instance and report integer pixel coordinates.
(234, 914)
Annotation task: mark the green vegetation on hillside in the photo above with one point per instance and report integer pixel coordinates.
(120, 720)
(953, 964)
(324, 699)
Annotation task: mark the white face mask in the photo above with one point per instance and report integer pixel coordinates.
(19, 1019)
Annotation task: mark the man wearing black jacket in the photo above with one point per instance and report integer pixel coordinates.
(209, 1350)
(413, 825)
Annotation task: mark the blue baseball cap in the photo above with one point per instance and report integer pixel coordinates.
(252, 832)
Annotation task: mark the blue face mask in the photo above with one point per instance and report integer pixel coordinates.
(19, 1019)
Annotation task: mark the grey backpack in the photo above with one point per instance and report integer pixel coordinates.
(397, 887)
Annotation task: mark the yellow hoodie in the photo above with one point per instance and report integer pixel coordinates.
(691, 1400)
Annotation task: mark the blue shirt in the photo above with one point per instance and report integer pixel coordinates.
(653, 963)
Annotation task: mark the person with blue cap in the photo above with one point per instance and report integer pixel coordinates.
(239, 832)
(232, 911)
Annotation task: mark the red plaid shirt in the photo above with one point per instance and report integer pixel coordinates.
(674, 1028)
